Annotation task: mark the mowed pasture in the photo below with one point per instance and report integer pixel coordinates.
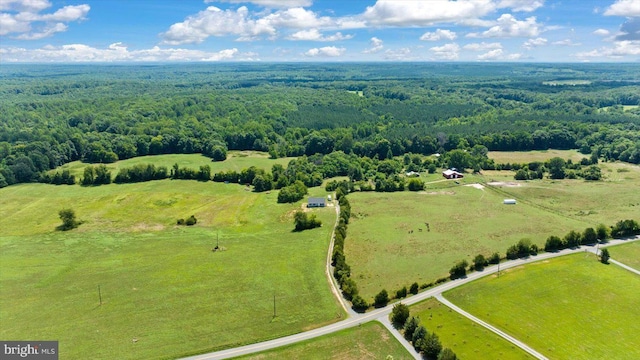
(236, 160)
(520, 157)
(612, 199)
(164, 292)
(389, 245)
(367, 341)
(572, 307)
(466, 338)
(628, 254)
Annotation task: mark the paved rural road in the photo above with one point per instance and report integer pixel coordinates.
(358, 319)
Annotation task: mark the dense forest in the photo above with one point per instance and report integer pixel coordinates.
(54, 114)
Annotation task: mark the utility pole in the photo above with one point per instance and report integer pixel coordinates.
(498, 269)
(274, 305)
(100, 295)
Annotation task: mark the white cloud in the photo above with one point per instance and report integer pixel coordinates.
(46, 32)
(376, 45)
(565, 42)
(116, 52)
(269, 3)
(483, 46)
(23, 15)
(327, 51)
(316, 35)
(439, 34)
(601, 32)
(521, 5)
(533, 43)
(491, 55)
(449, 51)
(216, 22)
(624, 8)
(424, 13)
(402, 54)
(509, 26)
(619, 50)
(24, 5)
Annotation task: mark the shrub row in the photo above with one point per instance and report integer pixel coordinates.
(426, 343)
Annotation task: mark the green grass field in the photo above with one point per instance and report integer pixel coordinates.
(165, 294)
(571, 307)
(236, 160)
(628, 254)
(536, 155)
(467, 339)
(367, 341)
(614, 198)
(464, 221)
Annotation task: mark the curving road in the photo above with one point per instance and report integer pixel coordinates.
(383, 313)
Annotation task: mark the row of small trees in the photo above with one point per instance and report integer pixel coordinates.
(426, 343)
(524, 247)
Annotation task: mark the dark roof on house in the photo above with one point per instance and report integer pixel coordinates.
(316, 200)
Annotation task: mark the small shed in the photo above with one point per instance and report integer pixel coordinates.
(452, 174)
(412, 174)
(509, 201)
(316, 202)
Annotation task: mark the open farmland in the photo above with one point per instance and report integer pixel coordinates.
(572, 307)
(614, 198)
(520, 157)
(628, 254)
(367, 341)
(466, 338)
(164, 292)
(388, 244)
(236, 160)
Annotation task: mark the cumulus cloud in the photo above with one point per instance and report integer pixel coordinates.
(439, 34)
(327, 51)
(601, 32)
(483, 46)
(521, 5)
(624, 8)
(449, 51)
(117, 52)
(376, 45)
(508, 26)
(217, 22)
(269, 3)
(491, 55)
(20, 17)
(402, 54)
(533, 43)
(618, 50)
(424, 13)
(316, 35)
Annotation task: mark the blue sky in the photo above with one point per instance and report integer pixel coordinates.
(319, 30)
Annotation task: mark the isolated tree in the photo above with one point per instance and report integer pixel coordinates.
(399, 315)
(494, 258)
(604, 256)
(401, 293)
(68, 217)
(553, 243)
(459, 270)
(382, 299)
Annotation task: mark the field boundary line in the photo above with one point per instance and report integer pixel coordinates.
(626, 267)
(328, 267)
(492, 328)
